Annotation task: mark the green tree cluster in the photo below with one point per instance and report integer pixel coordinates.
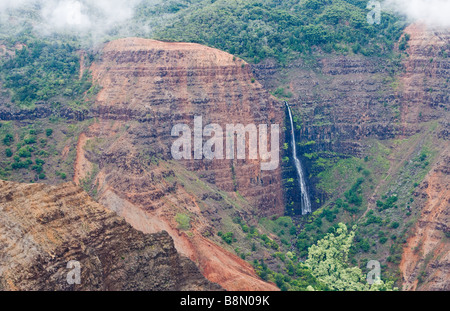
(257, 29)
(328, 261)
(44, 70)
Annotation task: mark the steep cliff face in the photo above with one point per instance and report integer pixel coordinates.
(339, 100)
(424, 90)
(43, 228)
(124, 158)
(164, 84)
(343, 100)
(426, 260)
(351, 104)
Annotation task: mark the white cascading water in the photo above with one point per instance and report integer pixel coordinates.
(305, 201)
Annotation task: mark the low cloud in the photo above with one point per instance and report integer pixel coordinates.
(430, 12)
(94, 18)
(66, 14)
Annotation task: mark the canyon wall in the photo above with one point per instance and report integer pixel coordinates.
(43, 228)
(124, 157)
(426, 259)
(343, 100)
(345, 104)
(339, 100)
(164, 84)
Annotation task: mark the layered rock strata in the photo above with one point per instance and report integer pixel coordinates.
(45, 228)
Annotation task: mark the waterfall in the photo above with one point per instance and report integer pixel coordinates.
(305, 201)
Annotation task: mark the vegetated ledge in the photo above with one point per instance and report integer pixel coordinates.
(43, 228)
(42, 110)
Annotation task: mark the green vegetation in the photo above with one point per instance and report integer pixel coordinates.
(63, 176)
(43, 71)
(349, 182)
(24, 158)
(328, 261)
(353, 195)
(227, 237)
(297, 277)
(404, 42)
(316, 252)
(326, 268)
(8, 140)
(388, 204)
(257, 29)
(184, 222)
(339, 170)
(281, 93)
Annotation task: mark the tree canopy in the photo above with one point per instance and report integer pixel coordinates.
(256, 29)
(328, 263)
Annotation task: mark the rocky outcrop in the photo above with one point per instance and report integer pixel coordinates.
(147, 88)
(43, 228)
